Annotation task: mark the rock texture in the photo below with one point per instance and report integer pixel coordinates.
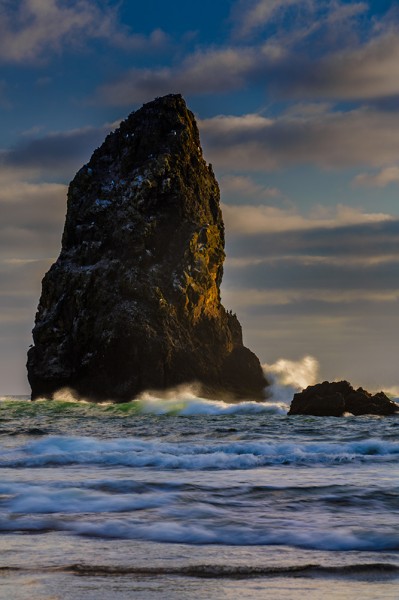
(334, 399)
(133, 301)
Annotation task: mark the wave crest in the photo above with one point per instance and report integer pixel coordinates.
(139, 453)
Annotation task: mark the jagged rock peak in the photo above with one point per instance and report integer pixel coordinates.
(133, 301)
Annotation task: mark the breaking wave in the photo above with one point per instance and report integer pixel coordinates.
(286, 377)
(140, 453)
(184, 402)
(229, 534)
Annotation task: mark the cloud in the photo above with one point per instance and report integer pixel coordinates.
(317, 290)
(205, 71)
(356, 57)
(240, 186)
(332, 326)
(296, 273)
(251, 298)
(246, 219)
(31, 219)
(313, 284)
(30, 29)
(313, 51)
(32, 214)
(381, 179)
(19, 278)
(300, 17)
(19, 295)
(252, 16)
(208, 71)
(367, 71)
(369, 241)
(362, 136)
(327, 303)
(55, 154)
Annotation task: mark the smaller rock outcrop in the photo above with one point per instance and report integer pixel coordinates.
(334, 399)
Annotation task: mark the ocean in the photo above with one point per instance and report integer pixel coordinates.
(182, 497)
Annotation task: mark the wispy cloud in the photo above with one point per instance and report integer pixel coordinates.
(326, 271)
(305, 16)
(31, 29)
(55, 154)
(312, 283)
(315, 289)
(19, 293)
(324, 50)
(33, 177)
(207, 71)
(248, 219)
(19, 278)
(381, 179)
(368, 240)
(31, 219)
(252, 16)
(363, 136)
(309, 278)
(368, 70)
(243, 187)
(251, 297)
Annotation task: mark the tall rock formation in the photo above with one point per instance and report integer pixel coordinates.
(133, 301)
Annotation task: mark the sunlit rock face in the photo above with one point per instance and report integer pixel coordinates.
(133, 301)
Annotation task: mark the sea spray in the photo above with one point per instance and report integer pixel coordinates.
(288, 377)
(184, 402)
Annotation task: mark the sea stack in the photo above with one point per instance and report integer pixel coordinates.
(337, 398)
(133, 301)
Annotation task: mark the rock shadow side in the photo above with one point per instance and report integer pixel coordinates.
(337, 398)
(133, 301)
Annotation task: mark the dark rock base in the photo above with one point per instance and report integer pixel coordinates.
(337, 398)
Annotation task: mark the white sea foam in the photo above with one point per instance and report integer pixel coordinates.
(288, 377)
(184, 401)
(298, 534)
(199, 515)
(140, 453)
(315, 538)
(64, 395)
(78, 500)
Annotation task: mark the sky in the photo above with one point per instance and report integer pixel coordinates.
(297, 102)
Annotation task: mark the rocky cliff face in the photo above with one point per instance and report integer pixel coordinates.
(133, 301)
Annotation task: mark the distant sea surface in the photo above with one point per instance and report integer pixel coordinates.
(184, 498)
